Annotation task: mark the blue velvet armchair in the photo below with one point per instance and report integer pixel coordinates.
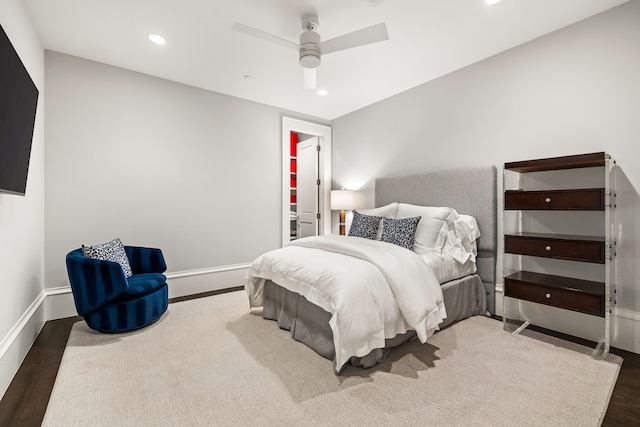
(108, 300)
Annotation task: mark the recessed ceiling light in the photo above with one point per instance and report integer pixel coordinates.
(156, 38)
(372, 2)
(322, 92)
(492, 1)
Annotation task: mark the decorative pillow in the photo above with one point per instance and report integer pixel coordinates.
(386, 211)
(364, 225)
(111, 251)
(401, 232)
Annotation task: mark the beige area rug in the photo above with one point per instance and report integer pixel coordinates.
(209, 362)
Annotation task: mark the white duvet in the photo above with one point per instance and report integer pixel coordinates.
(373, 290)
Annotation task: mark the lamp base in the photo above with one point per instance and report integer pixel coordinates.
(342, 222)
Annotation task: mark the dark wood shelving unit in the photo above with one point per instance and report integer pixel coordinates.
(568, 293)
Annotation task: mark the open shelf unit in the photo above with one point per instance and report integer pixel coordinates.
(531, 239)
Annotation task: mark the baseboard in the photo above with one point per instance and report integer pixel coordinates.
(626, 326)
(57, 303)
(191, 282)
(60, 304)
(16, 344)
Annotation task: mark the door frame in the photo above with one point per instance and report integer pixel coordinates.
(323, 133)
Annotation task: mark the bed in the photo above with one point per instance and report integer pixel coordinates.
(470, 192)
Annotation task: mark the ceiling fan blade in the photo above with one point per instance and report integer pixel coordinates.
(245, 29)
(375, 33)
(308, 78)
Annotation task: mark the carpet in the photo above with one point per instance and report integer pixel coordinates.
(210, 362)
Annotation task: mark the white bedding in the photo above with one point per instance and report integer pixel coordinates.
(446, 268)
(392, 289)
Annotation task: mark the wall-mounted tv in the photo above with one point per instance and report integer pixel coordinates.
(18, 101)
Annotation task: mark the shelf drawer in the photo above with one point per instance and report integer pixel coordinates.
(523, 285)
(568, 248)
(591, 199)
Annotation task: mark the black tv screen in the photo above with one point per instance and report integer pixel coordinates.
(18, 101)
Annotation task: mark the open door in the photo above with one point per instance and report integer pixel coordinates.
(290, 168)
(308, 183)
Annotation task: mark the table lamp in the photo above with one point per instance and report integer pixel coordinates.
(343, 200)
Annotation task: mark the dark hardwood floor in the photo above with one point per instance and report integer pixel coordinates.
(25, 402)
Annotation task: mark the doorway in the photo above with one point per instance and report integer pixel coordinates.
(320, 222)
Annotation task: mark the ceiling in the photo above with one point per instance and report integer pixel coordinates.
(428, 38)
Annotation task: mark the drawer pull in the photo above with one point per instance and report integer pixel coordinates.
(547, 200)
(548, 248)
(548, 296)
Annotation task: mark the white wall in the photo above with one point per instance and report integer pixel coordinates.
(22, 218)
(573, 91)
(160, 164)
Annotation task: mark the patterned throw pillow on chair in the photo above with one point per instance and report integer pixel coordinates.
(364, 225)
(111, 251)
(401, 232)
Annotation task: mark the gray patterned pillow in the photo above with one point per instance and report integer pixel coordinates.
(401, 232)
(364, 225)
(111, 251)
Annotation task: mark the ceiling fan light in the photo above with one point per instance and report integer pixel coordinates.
(308, 78)
(309, 61)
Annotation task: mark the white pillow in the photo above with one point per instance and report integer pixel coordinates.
(462, 232)
(467, 227)
(387, 211)
(430, 234)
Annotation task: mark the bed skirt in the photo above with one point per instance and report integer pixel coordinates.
(309, 323)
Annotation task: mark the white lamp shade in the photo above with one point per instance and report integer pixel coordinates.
(343, 200)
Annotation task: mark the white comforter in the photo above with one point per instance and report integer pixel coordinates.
(374, 290)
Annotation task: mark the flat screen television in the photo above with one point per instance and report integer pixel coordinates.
(18, 101)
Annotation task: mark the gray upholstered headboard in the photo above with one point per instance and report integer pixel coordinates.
(470, 191)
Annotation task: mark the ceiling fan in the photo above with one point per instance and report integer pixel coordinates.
(311, 48)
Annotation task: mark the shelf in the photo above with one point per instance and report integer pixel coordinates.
(583, 296)
(558, 163)
(588, 199)
(565, 237)
(558, 246)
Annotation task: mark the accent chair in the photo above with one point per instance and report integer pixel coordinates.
(111, 302)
